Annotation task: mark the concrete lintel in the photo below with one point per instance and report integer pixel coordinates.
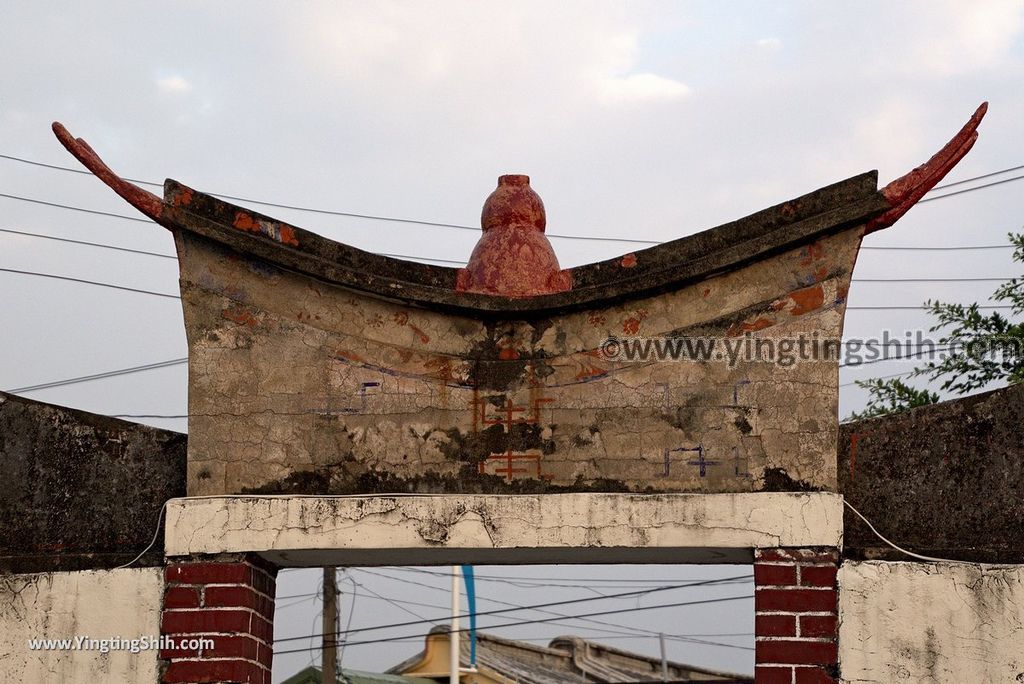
(503, 529)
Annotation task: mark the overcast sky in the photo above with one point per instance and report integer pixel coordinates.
(645, 120)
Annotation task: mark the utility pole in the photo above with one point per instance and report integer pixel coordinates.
(664, 660)
(453, 636)
(330, 628)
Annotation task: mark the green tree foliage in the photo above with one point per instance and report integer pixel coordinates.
(891, 395)
(982, 348)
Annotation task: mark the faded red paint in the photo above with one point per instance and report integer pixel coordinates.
(631, 326)
(513, 257)
(184, 197)
(423, 337)
(590, 372)
(806, 300)
(276, 231)
(906, 191)
(854, 439)
(628, 261)
(596, 320)
(752, 326)
(143, 200)
(245, 222)
(400, 317)
(508, 354)
(801, 301)
(707, 291)
(240, 315)
(287, 235)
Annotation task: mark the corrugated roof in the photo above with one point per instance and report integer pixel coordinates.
(569, 659)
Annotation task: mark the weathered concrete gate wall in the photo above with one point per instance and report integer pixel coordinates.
(297, 385)
(78, 490)
(318, 368)
(943, 481)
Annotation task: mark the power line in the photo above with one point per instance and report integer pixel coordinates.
(70, 169)
(347, 214)
(648, 242)
(912, 248)
(374, 217)
(463, 263)
(83, 281)
(395, 603)
(170, 296)
(436, 224)
(919, 308)
(98, 376)
(971, 180)
(529, 580)
(90, 244)
(540, 621)
(932, 280)
(976, 187)
(629, 633)
(171, 256)
(567, 602)
(934, 350)
(636, 633)
(72, 208)
(618, 627)
(603, 637)
(154, 184)
(506, 603)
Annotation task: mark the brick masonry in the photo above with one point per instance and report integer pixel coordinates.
(231, 603)
(796, 617)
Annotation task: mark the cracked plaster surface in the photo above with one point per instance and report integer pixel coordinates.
(98, 604)
(934, 623)
(228, 524)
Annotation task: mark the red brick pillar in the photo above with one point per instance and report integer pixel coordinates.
(795, 604)
(229, 602)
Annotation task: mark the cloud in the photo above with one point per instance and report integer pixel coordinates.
(974, 35)
(546, 62)
(771, 44)
(173, 85)
(642, 87)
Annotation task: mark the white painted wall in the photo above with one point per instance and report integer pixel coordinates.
(931, 623)
(99, 604)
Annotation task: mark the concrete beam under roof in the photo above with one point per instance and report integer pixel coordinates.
(503, 529)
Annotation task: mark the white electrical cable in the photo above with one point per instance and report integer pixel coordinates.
(156, 535)
(917, 555)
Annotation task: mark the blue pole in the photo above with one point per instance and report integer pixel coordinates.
(467, 575)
